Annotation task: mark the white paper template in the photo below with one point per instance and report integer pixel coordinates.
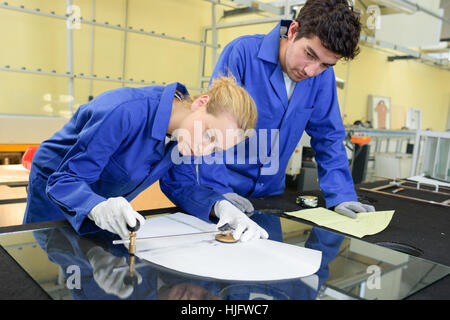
(202, 255)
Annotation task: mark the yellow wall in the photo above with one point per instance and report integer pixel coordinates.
(40, 42)
(407, 83)
(34, 42)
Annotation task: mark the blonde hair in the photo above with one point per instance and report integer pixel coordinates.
(226, 96)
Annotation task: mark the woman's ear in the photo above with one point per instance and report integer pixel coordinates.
(200, 102)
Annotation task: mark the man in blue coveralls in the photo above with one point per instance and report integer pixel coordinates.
(289, 74)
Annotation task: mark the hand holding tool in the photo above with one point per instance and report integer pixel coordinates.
(244, 228)
(114, 215)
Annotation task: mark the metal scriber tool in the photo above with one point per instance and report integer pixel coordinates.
(225, 229)
(131, 278)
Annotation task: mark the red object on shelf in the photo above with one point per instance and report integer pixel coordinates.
(28, 157)
(360, 140)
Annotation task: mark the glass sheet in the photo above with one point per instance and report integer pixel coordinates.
(69, 266)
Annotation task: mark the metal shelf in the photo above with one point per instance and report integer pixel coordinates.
(83, 76)
(277, 8)
(70, 74)
(105, 24)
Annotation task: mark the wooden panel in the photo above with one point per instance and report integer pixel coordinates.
(12, 214)
(151, 198)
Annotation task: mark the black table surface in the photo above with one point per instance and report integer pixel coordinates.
(422, 226)
(418, 225)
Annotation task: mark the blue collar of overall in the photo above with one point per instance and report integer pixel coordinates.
(270, 45)
(164, 110)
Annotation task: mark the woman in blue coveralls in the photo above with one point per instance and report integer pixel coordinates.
(124, 140)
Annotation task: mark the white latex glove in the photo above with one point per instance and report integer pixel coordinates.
(352, 208)
(244, 228)
(114, 215)
(109, 272)
(241, 203)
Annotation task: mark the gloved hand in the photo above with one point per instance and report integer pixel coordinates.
(351, 208)
(109, 272)
(114, 215)
(244, 228)
(241, 203)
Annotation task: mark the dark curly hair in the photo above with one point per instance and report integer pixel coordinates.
(334, 22)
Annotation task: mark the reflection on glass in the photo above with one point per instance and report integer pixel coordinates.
(69, 266)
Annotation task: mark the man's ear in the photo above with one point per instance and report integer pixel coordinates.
(293, 28)
(200, 102)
